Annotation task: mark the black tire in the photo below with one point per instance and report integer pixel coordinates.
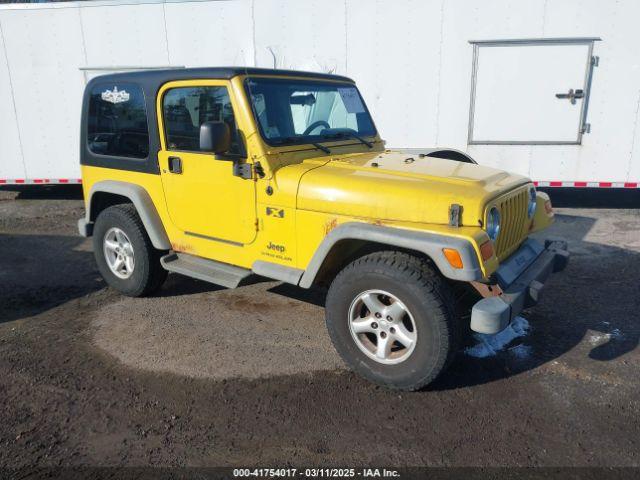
(147, 274)
(424, 293)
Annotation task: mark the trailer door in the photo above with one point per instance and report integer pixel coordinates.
(530, 91)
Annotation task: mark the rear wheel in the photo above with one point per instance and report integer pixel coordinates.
(392, 319)
(125, 256)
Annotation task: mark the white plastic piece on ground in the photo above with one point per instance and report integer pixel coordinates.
(490, 345)
(601, 338)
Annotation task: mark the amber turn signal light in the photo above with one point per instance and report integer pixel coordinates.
(486, 250)
(453, 257)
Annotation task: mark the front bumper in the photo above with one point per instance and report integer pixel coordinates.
(521, 279)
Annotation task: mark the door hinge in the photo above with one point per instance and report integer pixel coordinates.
(586, 126)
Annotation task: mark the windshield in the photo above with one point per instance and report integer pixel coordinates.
(292, 112)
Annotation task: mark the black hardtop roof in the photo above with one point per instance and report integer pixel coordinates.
(152, 79)
(150, 82)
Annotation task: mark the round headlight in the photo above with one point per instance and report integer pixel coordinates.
(493, 223)
(532, 202)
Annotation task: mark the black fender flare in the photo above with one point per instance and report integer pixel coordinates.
(144, 206)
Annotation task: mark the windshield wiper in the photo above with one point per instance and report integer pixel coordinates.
(293, 140)
(349, 135)
(319, 146)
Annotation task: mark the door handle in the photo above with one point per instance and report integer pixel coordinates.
(571, 95)
(175, 164)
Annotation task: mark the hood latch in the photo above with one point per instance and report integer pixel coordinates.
(455, 215)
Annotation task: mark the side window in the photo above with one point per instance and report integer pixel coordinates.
(186, 108)
(117, 122)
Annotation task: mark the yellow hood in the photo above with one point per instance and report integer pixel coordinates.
(401, 189)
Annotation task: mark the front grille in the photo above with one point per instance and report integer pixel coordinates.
(514, 223)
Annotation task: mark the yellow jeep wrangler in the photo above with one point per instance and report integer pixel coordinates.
(224, 173)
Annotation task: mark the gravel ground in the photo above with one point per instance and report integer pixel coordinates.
(199, 376)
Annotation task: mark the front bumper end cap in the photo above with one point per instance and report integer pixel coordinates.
(493, 314)
(85, 228)
(490, 315)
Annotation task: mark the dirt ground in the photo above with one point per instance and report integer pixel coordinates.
(200, 376)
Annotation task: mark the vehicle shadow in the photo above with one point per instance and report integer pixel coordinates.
(40, 272)
(594, 197)
(45, 192)
(313, 296)
(178, 285)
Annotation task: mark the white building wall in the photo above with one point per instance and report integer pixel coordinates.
(43, 53)
(398, 78)
(125, 35)
(201, 34)
(11, 159)
(411, 58)
(605, 153)
(305, 35)
(463, 21)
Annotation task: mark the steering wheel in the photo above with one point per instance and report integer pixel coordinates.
(315, 125)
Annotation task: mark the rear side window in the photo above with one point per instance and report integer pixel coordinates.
(186, 108)
(117, 122)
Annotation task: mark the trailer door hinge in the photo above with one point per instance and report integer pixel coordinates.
(586, 128)
(595, 60)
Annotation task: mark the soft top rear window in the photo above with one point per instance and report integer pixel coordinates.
(117, 121)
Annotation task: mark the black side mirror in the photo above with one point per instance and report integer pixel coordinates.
(215, 137)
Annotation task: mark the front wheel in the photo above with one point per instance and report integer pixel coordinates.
(392, 320)
(124, 253)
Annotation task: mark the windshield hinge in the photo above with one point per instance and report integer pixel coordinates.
(242, 170)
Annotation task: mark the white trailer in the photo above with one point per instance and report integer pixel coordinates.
(546, 88)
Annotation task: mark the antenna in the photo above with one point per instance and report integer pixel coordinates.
(275, 62)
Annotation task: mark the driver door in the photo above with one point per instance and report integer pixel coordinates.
(204, 198)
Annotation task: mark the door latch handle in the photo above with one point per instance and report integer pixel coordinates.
(571, 95)
(175, 165)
